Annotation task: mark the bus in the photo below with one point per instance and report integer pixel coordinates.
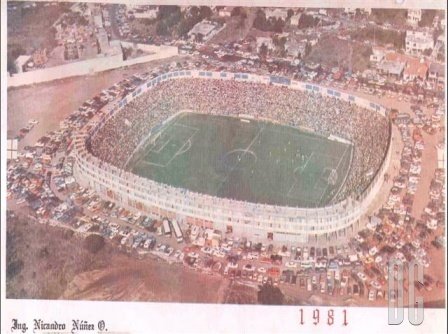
(166, 227)
(177, 231)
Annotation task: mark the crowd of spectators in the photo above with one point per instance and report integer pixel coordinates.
(368, 131)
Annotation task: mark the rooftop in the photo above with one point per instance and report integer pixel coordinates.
(203, 28)
(437, 68)
(276, 12)
(392, 67)
(21, 60)
(416, 68)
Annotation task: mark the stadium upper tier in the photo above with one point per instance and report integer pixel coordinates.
(105, 146)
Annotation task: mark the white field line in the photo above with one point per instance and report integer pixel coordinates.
(186, 126)
(160, 148)
(180, 149)
(301, 171)
(150, 163)
(340, 160)
(247, 149)
(346, 174)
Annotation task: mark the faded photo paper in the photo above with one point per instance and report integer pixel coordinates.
(223, 166)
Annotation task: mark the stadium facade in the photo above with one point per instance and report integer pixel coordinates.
(257, 222)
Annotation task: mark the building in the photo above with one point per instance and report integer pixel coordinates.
(378, 54)
(441, 157)
(392, 68)
(436, 73)
(143, 12)
(415, 70)
(203, 30)
(276, 13)
(295, 48)
(40, 57)
(414, 17)
(106, 18)
(97, 17)
(266, 41)
(313, 40)
(225, 12)
(366, 10)
(11, 149)
(20, 62)
(295, 19)
(71, 50)
(418, 41)
(350, 11)
(102, 40)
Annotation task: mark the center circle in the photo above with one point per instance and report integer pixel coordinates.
(239, 159)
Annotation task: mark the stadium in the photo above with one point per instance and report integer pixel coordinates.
(262, 157)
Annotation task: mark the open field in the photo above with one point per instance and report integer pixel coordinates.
(335, 52)
(247, 160)
(236, 28)
(51, 102)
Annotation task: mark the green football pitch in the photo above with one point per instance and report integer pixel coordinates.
(245, 159)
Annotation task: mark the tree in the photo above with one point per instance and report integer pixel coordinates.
(166, 11)
(436, 33)
(94, 243)
(280, 45)
(236, 11)
(427, 52)
(278, 25)
(307, 21)
(147, 21)
(307, 49)
(290, 13)
(14, 50)
(428, 17)
(270, 295)
(199, 38)
(184, 27)
(241, 20)
(162, 28)
(194, 11)
(260, 20)
(263, 51)
(205, 12)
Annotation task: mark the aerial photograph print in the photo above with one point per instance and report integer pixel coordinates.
(225, 154)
